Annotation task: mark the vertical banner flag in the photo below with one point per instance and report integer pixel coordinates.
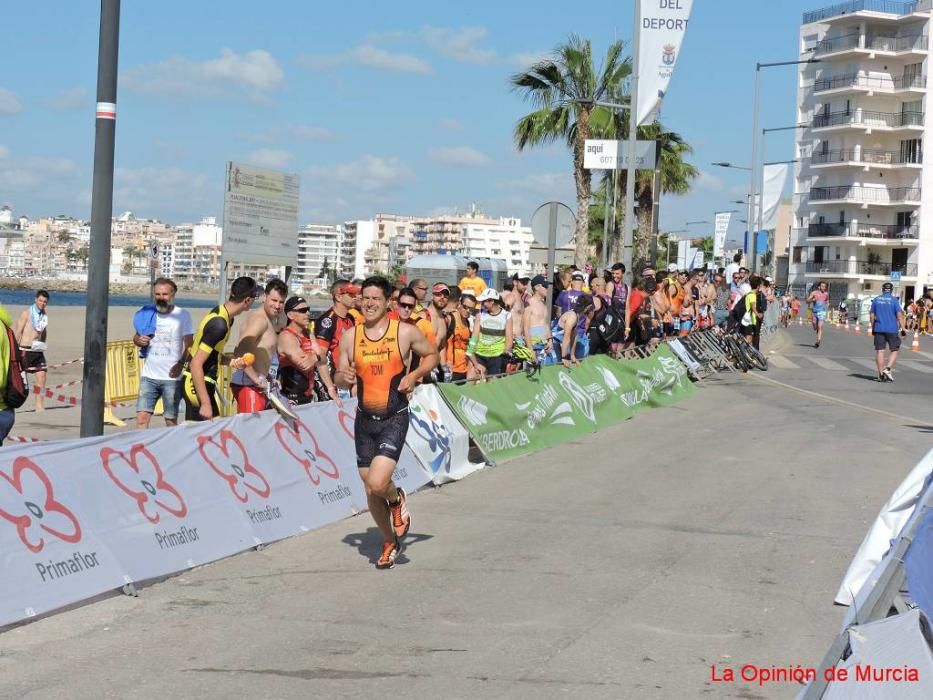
(722, 221)
(663, 24)
(775, 177)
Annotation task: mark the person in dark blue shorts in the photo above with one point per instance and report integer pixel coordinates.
(887, 326)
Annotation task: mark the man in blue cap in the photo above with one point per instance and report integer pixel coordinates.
(887, 320)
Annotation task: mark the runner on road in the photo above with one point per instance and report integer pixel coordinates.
(819, 297)
(887, 319)
(375, 356)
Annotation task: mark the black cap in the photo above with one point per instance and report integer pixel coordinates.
(887, 287)
(294, 302)
(539, 279)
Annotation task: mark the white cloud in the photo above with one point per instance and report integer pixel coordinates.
(523, 60)
(257, 71)
(459, 44)
(9, 102)
(709, 183)
(371, 56)
(70, 100)
(32, 173)
(375, 57)
(295, 133)
(460, 155)
(4, 151)
(272, 158)
(159, 192)
(373, 173)
(541, 183)
(451, 124)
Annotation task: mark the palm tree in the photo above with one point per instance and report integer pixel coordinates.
(676, 178)
(563, 88)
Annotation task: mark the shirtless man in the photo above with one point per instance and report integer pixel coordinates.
(375, 356)
(31, 333)
(536, 322)
(440, 321)
(260, 337)
(512, 296)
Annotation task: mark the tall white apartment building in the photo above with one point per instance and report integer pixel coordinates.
(863, 198)
(317, 244)
(504, 238)
(358, 236)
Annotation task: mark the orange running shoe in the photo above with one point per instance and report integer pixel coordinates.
(401, 518)
(390, 552)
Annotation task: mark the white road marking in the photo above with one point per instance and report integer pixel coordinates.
(782, 362)
(862, 362)
(914, 365)
(826, 363)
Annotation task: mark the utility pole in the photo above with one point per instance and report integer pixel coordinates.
(98, 271)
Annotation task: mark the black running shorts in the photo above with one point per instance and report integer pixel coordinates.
(191, 400)
(892, 340)
(35, 362)
(379, 437)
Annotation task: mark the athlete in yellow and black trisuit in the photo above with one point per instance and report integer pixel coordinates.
(376, 356)
(200, 369)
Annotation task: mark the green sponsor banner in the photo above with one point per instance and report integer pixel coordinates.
(516, 415)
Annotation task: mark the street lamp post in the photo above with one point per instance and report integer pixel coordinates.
(755, 163)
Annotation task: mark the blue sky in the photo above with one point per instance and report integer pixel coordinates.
(381, 107)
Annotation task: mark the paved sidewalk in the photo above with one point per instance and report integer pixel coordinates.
(620, 566)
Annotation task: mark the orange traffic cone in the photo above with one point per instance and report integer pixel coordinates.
(858, 326)
(846, 326)
(869, 329)
(915, 345)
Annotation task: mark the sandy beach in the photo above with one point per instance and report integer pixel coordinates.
(66, 343)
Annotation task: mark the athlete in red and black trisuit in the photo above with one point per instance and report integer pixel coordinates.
(333, 323)
(375, 356)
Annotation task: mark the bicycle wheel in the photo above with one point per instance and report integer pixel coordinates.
(757, 360)
(735, 353)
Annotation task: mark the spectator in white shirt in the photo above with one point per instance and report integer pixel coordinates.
(165, 351)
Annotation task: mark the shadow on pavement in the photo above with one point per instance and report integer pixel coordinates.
(869, 377)
(369, 544)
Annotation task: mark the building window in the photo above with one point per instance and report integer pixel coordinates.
(797, 253)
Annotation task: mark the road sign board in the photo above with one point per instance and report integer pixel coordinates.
(566, 224)
(601, 154)
(895, 276)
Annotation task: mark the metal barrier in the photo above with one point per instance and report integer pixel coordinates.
(121, 377)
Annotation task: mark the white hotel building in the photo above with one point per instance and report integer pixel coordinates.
(863, 196)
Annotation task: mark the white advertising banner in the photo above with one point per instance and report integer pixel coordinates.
(437, 437)
(775, 177)
(661, 33)
(81, 517)
(888, 524)
(603, 154)
(260, 216)
(721, 224)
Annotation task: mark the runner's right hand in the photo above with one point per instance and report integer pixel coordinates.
(205, 411)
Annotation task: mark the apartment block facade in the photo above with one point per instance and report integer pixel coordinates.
(863, 195)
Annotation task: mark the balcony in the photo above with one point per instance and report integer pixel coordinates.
(871, 44)
(859, 268)
(869, 120)
(863, 157)
(869, 83)
(882, 232)
(857, 194)
(893, 7)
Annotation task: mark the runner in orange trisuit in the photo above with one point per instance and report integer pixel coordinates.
(376, 356)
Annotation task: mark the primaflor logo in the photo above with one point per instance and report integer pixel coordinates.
(226, 456)
(140, 477)
(27, 500)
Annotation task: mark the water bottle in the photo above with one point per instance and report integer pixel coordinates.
(448, 374)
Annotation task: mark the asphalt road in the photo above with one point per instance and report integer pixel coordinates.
(624, 565)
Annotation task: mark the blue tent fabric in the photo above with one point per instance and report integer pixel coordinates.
(144, 323)
(918, 564)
